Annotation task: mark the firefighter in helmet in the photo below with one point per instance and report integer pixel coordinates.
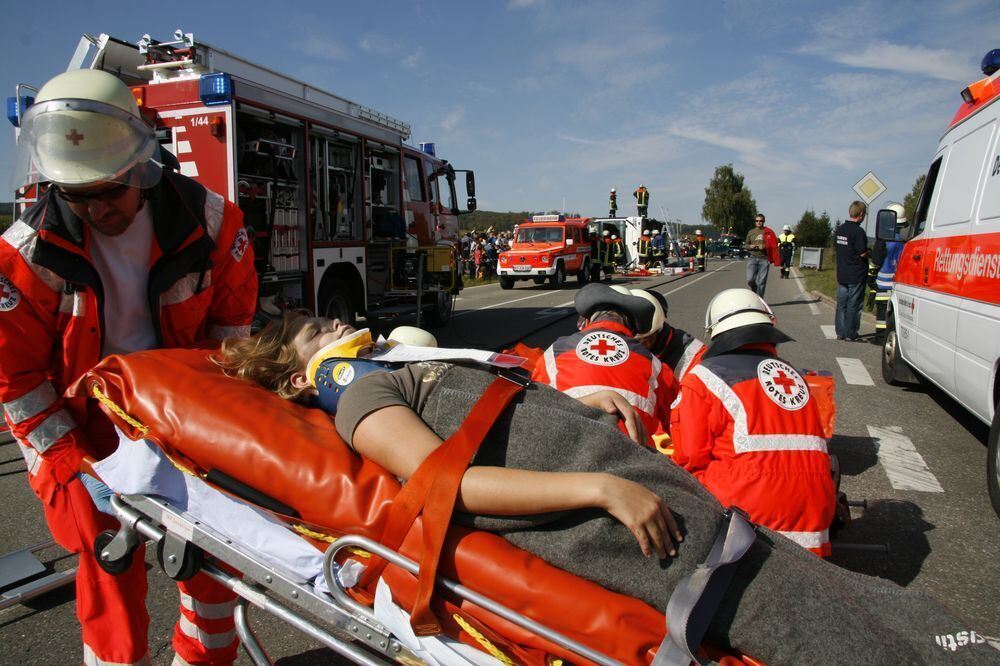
(746, 426)
(786, 248)
(617, 251)
(658, 248)
(118, 255)
(613, 203)
(700, 249)
(641, 195)
(642, 248)
(605, 355)
(884, 259)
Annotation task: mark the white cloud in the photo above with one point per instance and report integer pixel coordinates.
(453, 118)
(944, 64)
(319, 47)
(378, 44)
(412, 60)
(742, 145)
(521, 4)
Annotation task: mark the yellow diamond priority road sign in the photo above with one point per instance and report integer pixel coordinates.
(869, 188)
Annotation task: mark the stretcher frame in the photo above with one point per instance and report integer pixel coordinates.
(345, 626)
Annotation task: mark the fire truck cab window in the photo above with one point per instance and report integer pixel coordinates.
(414, 183)
(540, 235)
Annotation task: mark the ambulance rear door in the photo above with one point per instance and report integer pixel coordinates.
(978, 344)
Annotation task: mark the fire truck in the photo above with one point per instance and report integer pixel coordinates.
(547, 247)
(345, 217)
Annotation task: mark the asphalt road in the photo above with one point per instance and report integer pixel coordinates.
(914, 455)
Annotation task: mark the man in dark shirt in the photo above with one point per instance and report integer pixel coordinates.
(852, 269)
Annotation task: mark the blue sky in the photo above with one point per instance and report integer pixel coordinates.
(551, 100)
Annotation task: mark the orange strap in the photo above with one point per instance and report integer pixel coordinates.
(433, 489)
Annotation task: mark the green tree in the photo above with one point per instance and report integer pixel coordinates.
(728, 203)
(813, 230)
(911, 199)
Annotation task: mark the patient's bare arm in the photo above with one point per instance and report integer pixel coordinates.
(398, 440)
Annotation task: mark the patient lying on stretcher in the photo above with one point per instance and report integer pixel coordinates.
(558, 479)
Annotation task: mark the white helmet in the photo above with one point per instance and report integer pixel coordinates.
(697, 232)
(656, 231)
(788, 227)
(900, 212)
(658, 316)
(413, 336)
(734, 308)
(606, 233)
(612, 190)
(85, 128)
(614, 236)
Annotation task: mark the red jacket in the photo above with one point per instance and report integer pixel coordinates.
(747, 428)
(771, 246)
(202, 286)
(606, 356)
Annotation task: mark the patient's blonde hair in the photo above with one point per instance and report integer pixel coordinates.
(267, 358)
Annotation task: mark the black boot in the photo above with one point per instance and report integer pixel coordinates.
(753, 286)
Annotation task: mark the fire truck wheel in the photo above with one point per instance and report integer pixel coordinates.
(539, 280)
(583, 275)
(440, 314)
(336, 300)
(993, 461)
(506, 282)
(559, 278)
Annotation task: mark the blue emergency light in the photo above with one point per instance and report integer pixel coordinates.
(12, 108)
(215, 89)
(428, 147)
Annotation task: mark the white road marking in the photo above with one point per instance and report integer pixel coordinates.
(689, 283)
(497, 305)
(904, 466)
(830, 331)
(854, 371)
(803, 296)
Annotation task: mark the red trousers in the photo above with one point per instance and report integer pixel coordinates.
(112, 609)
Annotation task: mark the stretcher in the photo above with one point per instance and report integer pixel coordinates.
(507, 604)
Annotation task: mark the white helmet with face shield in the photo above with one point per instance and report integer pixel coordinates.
(84, 129)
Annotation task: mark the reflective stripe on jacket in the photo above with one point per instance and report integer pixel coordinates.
(887, 272)
(606, 356)
(745, 425)
(202, 285)
(643, 246)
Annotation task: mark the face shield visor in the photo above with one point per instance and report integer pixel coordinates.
(78, 143)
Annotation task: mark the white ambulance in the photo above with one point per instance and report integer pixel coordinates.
(944, 320)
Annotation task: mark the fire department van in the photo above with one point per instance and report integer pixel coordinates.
(944, 321)
(547, 247)
(344, 216)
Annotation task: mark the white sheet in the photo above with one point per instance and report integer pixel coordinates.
(140, 468)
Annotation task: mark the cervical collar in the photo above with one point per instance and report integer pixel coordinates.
(341, 363)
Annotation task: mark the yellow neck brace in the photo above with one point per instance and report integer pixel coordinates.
(355, 345)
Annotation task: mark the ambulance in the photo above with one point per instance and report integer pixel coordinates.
(345, 217)
(944, 317)
(547, 248)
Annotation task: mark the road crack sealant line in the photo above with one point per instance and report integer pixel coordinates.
(556, 320)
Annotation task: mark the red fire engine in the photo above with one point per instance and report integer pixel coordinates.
(345, 217)
(547, 247)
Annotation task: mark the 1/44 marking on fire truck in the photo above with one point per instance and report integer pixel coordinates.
(197, 121)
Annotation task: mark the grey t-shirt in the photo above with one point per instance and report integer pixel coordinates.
(408, 386)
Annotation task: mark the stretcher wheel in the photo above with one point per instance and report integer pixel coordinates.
(115, 567)
(178, 558)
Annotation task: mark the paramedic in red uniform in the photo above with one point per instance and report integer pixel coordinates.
(605, 355)
(117, 256)
(745, 426)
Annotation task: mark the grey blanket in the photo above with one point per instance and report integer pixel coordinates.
(785, 605)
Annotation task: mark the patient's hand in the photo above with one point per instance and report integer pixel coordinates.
(644, 513)
(613, 403)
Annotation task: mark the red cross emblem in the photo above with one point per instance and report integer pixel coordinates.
(240, 245)
(784, 381)
(74, 137)
(602, 347)
(10, 295)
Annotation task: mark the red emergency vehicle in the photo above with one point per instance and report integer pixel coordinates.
(943, 323)
(547, 247)
(345, 217)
